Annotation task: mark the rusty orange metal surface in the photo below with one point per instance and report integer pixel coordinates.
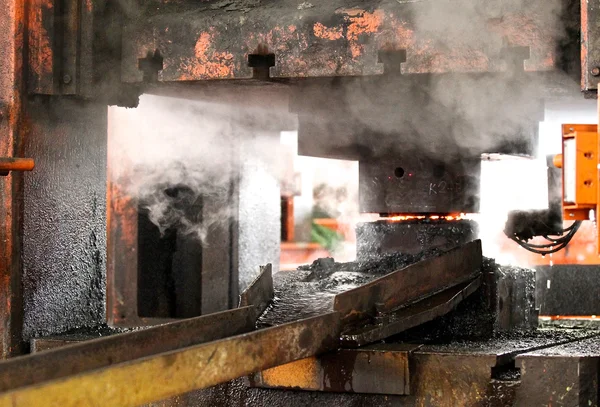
(585, 138)
(322, 41)
(121, 250)
(41, 55)
(12, 26)
(586, 168)
(207, 62)
(121, 244)
(376, 369)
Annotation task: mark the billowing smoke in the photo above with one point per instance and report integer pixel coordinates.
(464, 114)
(181, 154)
(175, 156)
(457, 110)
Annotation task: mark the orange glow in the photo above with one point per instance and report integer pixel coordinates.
(450, 217)
(569, 317)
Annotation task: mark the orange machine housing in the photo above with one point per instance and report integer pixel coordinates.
(580, 163)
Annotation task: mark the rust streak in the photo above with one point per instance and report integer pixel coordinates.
(41, 59)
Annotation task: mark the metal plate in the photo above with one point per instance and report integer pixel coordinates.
(377, 369)
(260, 292)
(423, 185)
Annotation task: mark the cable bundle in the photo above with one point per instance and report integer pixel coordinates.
(556, 242)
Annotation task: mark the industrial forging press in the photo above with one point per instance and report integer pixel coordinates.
(140, 225)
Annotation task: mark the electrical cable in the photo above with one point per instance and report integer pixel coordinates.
(556, 244)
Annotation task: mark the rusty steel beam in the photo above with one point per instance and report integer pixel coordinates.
(119, 348)
(182, 370)
(121, 253)
(377, 369)
(412, 283)
(42, 78)
(321, 39)
(12, 28)
(60, 47)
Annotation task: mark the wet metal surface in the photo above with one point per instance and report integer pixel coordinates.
(64, 225)
(296, 298)
(506, 346)
(464, 373)
(371, 307)
(12, 26)
(185, 369)
(237, 393)
(74, 336)
(562, 375)
(558, 285)
(310, 290)
(514, 298)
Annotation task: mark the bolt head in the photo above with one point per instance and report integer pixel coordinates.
(67, 79)
(596, 71)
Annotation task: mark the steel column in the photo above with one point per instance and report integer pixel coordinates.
(12, 31)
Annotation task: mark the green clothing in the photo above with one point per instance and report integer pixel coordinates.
(329, 239)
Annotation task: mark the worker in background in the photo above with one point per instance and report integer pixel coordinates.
(326, 201)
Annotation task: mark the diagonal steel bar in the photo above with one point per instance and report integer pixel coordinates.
(184, 370)
(410, 316)
(100, 353)
(415, 282)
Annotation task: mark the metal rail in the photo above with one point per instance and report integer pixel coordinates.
(415, 282)
(168, 374)
(104, 352)
(408, 317)
(196, 353)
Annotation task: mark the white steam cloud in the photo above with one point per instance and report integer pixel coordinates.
(174, 155)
